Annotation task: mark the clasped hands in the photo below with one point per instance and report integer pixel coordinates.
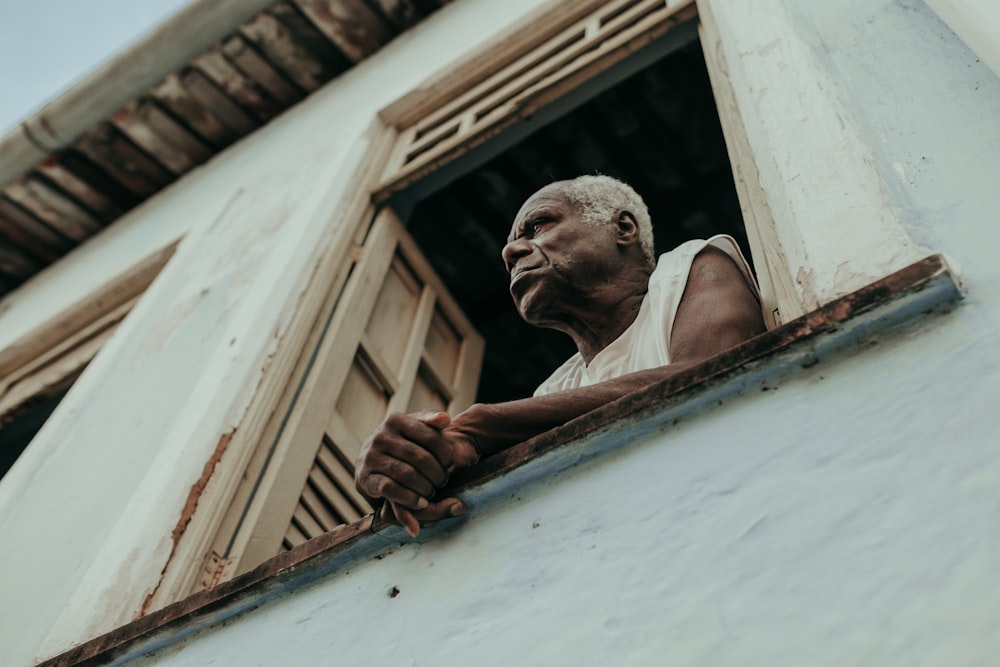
(407, 459)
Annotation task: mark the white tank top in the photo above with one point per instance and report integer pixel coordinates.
(646, 342)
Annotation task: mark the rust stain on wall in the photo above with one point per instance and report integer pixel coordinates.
(196, 490)
(190, 505)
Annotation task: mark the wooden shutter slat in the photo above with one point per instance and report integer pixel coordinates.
(332, 494)
(307, 524)
(293, 537)
(318, 509)
(343, 477)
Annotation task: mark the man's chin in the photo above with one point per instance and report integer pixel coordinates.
(534, 311)
(534, 299)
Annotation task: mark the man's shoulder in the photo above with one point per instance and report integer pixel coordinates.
(721, 248)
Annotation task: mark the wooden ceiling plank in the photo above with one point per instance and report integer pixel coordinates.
(53, 208)
(251, 63)
(155, 132)
(276, 42)
(17, 264)
(201, 88)
(54, 169)
(356, 29)
(305, 33)
(110, 150)
(400, 14)
(237, 85)
(100, 180)
(174, 97)
(25, 230)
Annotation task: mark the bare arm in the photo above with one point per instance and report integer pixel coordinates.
(717, 311)
(406, 460)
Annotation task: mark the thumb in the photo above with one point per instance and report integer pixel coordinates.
(438, 420)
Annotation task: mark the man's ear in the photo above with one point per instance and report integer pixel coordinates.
(626, 229)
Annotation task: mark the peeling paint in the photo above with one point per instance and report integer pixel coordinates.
(806, 280)
(190, 505)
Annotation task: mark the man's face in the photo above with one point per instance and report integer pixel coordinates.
(554, 258)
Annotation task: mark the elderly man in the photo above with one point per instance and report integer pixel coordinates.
(580, 258)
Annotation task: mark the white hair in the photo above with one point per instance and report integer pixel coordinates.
(600, 198)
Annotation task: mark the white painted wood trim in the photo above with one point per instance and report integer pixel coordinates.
(835, 223)
(492, 54)
(68, 319)
(977, 22)
(184, 567)
(779, 301)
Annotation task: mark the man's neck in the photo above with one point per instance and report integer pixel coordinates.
(602, 317)
(590, 340)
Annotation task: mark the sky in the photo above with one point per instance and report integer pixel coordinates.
(47, 45)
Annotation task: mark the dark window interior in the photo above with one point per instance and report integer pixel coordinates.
(17, 431)
(657, 130)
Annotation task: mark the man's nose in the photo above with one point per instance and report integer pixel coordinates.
(513, 251)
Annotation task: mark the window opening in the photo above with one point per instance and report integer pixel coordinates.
(657, 129)
(649, 119)
(18, 429)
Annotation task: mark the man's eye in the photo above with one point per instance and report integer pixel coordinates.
(534, 226)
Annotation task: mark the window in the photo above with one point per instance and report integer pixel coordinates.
(38, 369)
(622, 91)
(629, 88)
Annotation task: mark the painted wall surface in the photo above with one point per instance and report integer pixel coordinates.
(846, 518)
(87, 511)
(857, 112)
(977, 22)
(839, 518)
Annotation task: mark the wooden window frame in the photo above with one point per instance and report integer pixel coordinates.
(47, 360)
(192, 563)
(577, 48)
(525, 80)
(382, 176)
(252, 529)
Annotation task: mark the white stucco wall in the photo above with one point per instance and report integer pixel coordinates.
(854, 517)
(839, 518)
(844, 517)
(977, 22)
(854, 111)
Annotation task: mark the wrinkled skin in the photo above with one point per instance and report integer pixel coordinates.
(587, 281)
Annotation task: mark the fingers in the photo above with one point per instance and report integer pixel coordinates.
(406, 460)
(406, 519)
(438, 420)
(412, 521)
(387, 470)
(421, 430)
(393, 491)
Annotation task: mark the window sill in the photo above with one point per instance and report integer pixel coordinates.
(921, 288)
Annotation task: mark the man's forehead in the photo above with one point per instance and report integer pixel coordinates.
(553, 193)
